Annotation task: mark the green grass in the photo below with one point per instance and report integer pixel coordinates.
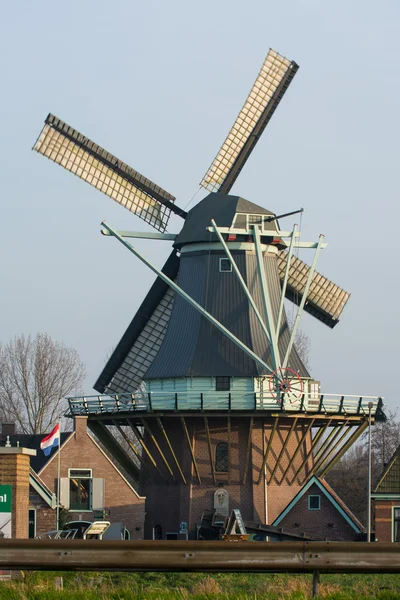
(185, 586)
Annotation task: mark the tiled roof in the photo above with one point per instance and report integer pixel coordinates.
(32, 442)
(344, 506)
(389, 482)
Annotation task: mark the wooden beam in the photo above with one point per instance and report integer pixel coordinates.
(249, 440)
(264, 462)
(344, 448)
(229, 450)
(132, 446)
(293, 425)
(141, 441)
(328, 449)
(210, 449)
(324, 444)
(154, 440)
(111, 444)
(295, 453)
(161, 426)
(314, 443)
(185, 429)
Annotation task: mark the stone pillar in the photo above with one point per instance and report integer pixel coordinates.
(14, 471)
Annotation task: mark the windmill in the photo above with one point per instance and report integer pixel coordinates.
(207, 377)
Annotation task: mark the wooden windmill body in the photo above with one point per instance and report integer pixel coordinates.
(207, 378)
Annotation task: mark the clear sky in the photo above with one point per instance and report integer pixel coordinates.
(159, 84)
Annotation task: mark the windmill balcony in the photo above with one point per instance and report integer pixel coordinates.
(144, 402)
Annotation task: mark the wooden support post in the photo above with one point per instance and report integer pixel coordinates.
(324, 445)
(295, 453)
(132, 446)
(345, 447)
(248, 450)
(322, 458)
(111, 444)
(140, 439)
(210, 449)
(264, 462)
(315, 584)
(314, 443)
(153, 439)
(229, 450)
(293, 425)
(161, 426)
(185, 429)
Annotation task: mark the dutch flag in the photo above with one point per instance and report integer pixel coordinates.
(51, 441)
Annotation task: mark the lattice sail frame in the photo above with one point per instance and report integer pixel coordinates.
(273, 79)
(323, 293)
(76, 153)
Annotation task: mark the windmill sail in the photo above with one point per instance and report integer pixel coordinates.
(272, 82)
(82, 157)
(143, 338)
(325, 300)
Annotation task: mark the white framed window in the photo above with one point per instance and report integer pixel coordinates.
(81, 492)
(225, 265)
(395, 523)
(80, 489)
(255, 220)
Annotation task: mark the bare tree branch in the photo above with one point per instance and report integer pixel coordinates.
(35, 377)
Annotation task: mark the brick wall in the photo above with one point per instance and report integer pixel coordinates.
(81, 452)
(14, 471)
(45, 516)
(383, 519)
(169, 503)
(326, 523)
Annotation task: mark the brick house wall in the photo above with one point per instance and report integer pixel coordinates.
(81, 451)
(384, 518)
(169, 503)
(45, 516)
(14, 471)
(325, 523)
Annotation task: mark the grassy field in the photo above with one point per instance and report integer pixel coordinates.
(185, 586)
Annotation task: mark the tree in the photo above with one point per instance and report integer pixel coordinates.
(349, 478)
(36, 374)
(385, 439)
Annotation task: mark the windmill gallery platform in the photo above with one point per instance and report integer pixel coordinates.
(206, 389)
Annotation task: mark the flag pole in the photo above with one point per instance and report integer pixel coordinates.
(58, 479)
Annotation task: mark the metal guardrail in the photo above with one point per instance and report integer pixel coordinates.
(190, 556)
(214, 401)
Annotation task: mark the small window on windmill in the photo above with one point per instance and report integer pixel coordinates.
(314, 389)
(221, 457)
(255, 220)
(225, 265)
(222, 384)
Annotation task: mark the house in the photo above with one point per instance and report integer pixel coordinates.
(386, 499)
(317, 510)
(91, 484)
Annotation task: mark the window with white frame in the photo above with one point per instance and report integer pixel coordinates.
(80, 489)
(225, 265)
(396, 524)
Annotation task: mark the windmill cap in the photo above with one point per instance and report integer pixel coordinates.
(222, 209)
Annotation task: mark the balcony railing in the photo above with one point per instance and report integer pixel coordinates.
(222, 401)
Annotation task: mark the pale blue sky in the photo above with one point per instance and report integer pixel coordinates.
(159, 84)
